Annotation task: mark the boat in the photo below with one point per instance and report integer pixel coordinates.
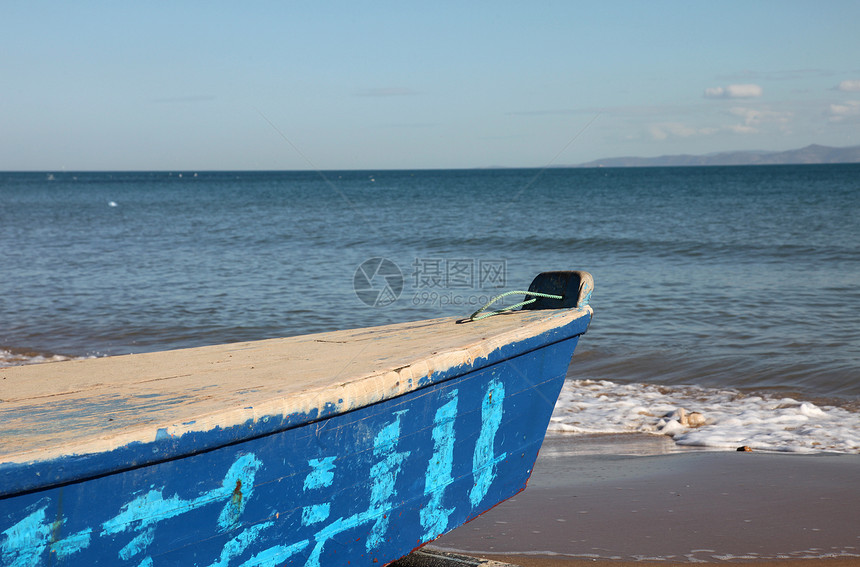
(351, 447)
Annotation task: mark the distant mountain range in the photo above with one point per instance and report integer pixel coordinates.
(809, 154)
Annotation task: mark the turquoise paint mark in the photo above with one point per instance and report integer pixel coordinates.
(434, 518)
(27, 540)
(236, 546)
(240, 482)
(72, 543)
(147, 562)
(585, 294)
(137, 545)
(321, 475)
(483, 461)
(384, 475)
(338, 526)
(315, 513)
(275, 556)
(148, 509)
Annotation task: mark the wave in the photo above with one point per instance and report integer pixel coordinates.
(718, 418)
(15, 357)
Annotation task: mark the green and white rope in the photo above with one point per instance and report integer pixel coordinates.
(479, 314)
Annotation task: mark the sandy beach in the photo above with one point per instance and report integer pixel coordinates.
(631, 499)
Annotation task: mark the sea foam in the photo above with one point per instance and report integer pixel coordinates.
(10, 358)
(732, 418)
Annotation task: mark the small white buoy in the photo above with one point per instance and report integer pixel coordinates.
(112, 204)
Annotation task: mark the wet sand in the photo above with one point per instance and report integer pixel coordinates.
(588, 504)
(540, 561)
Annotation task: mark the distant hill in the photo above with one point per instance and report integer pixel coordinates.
(809, 154)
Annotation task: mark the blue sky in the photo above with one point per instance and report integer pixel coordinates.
(350, 85)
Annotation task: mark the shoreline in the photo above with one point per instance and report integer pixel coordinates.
(551, 561)
(619, 500)
(490, 560)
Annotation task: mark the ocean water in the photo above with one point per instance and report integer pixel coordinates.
(733, 292)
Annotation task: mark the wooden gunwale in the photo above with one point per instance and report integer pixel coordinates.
(82, 407)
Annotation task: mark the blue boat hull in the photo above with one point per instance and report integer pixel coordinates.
(363, 487)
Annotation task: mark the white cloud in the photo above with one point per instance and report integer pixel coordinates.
(734, 91)
(755, 120)
(749, 118)
(755, 117)
(848, 111)
(741, 129)
(664, 130)
(849, 86)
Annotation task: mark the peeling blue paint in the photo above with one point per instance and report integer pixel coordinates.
(434, 518)
(16, 478)
(483, 461)
(26, 543)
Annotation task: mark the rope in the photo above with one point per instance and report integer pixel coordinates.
(477, 314)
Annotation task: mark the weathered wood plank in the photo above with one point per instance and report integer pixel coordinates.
(95, 405)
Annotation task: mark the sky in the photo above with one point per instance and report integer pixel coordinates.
(293, 85)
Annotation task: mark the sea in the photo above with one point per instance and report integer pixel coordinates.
(729, 292)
